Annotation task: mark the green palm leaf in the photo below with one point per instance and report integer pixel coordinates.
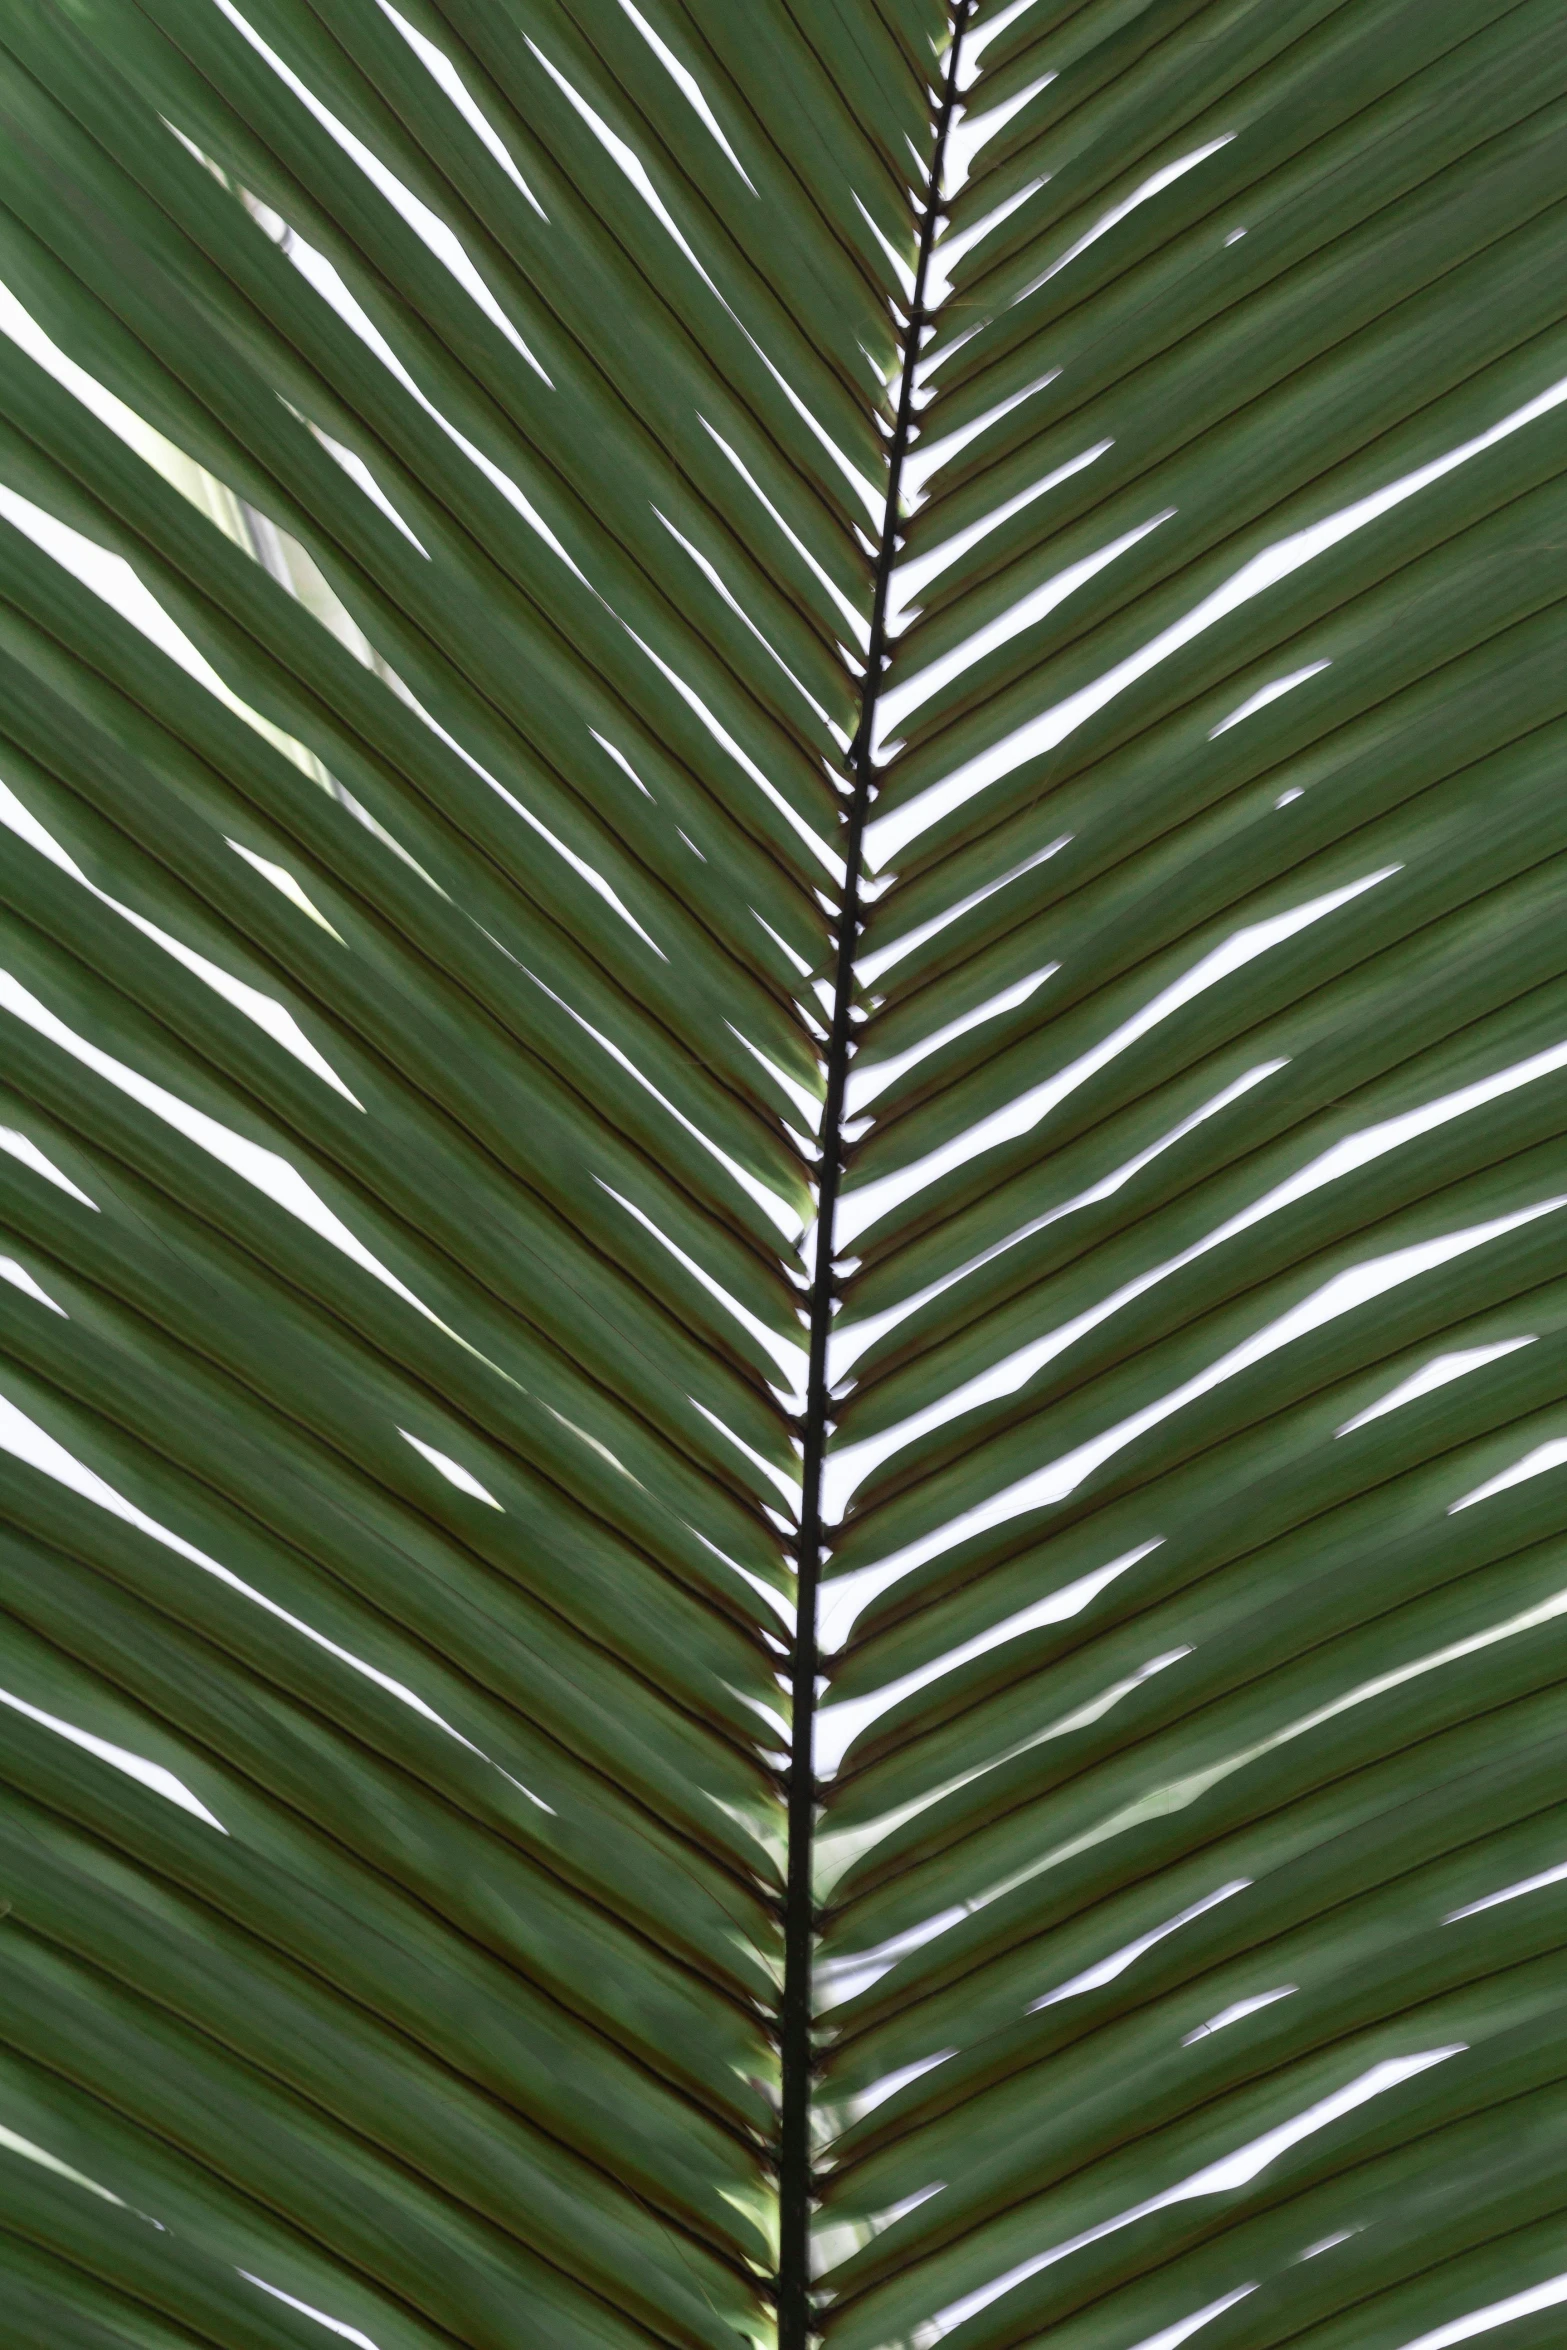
(785, 1379)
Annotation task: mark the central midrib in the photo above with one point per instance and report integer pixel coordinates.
(796, 2007)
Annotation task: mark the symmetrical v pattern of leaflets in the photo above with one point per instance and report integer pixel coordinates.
(783, 1151)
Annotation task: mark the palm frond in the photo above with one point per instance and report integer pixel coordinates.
(781, 809)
